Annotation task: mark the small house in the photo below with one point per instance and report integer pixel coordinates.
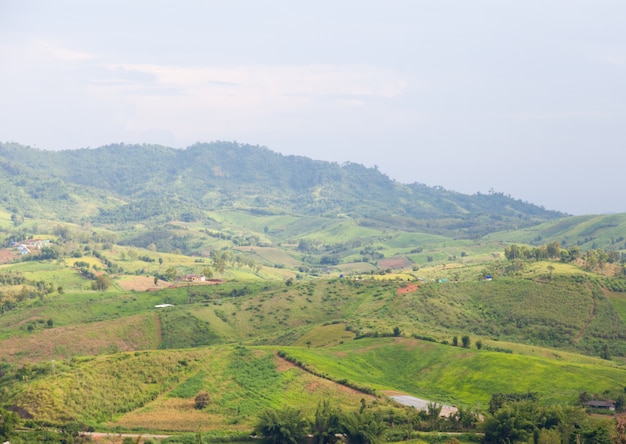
(601, 405)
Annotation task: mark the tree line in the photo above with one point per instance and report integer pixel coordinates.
(593, 259)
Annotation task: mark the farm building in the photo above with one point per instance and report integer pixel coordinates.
(601, 405)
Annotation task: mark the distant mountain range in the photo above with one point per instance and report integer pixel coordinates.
(119, 183)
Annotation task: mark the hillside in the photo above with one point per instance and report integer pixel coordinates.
(112, 359)
(135, 278)
(120, 184)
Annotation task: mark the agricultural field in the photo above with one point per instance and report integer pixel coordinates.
(346, 314)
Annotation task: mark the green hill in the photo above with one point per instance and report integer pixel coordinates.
(132, 183)
(132, 278)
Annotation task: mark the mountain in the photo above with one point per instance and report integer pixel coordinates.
(149, 183)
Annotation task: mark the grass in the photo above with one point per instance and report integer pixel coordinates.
(226, 337)
(325, 336)
(242, 381)
(44, 344)
(454, 375)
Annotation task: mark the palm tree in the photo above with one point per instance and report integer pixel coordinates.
(362, 427)
(286, 426)
(326, 423)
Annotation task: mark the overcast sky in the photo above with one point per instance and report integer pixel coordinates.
(525, 97)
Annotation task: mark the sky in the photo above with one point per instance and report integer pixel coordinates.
(526, 98)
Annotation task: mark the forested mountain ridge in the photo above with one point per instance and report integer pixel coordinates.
(121, 183)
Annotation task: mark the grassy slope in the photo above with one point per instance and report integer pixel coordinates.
(455, 375)
(564, 312)
(583, 230)
(241, 381)
(535, 310)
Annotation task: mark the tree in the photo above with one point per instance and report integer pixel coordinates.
(48, 253)
(219, 261)
(465, 418)
(512, 252)
(202, 400)
(286, 426)
(553, 249)
(170, 274)
(479, 344)
(8, 422)
(362, 427)
(304, 246)
(465, 340)
(17, 219)
(326, 423)
(509, 424)
(102, 282)
(620, 430)
(396, 331)
(455, 341)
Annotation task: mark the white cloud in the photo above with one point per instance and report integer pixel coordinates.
(192, 100)
(312, 80)
(63, 54)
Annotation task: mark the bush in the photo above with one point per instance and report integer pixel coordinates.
(465, 340)
(202, 400)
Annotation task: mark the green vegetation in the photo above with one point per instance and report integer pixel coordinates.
(224, 288)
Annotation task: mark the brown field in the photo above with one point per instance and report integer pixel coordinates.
(146, 283)
(394, 263)
(176, 415)
(140, 283)
(7, 256)
(131, 333)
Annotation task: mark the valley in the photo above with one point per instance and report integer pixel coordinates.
(122, 303)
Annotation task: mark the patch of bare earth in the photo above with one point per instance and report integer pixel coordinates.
(6, 256)
(177, 415)
(141, 283)
(394, 263)
(282, 365)
(410, 288)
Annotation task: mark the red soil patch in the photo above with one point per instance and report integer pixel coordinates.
(6, 256)
(282, 365)
(394, 262)
(410, 288)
